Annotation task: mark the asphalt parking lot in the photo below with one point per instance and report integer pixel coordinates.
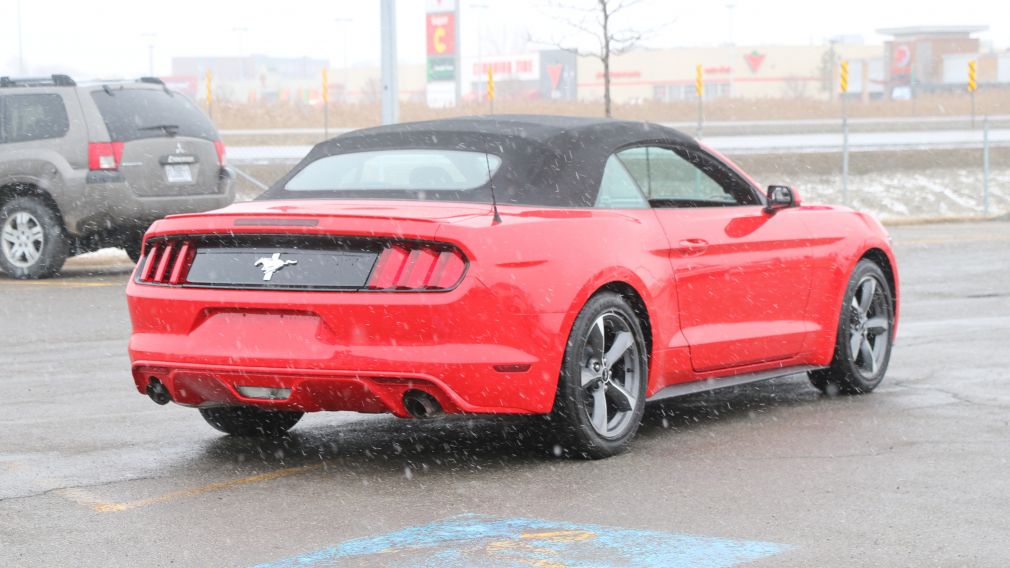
(91, 473)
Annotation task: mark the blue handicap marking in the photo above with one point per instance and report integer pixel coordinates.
(477, 540)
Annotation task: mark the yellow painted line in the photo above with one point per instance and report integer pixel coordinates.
(93, 502)
(57, 284)
(560, 536)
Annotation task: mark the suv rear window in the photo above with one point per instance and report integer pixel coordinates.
(132, 114)
(33, 117)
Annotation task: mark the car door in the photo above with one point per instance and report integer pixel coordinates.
(742, 274)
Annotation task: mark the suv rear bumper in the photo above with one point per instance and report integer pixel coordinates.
(105, 202)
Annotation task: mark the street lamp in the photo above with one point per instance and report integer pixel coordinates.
(241, 51)
(344, 24)
(731, 7)
(21, 51)
(151, 36)
(480, 37)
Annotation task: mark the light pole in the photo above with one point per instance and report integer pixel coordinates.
(21, 51)
(731, 8)
(480, 37)
(390, 90)
(241, 55)
(150, 36)
(344, 24)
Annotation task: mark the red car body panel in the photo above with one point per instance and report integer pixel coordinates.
(765, 293)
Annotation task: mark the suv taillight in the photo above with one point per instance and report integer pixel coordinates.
(221, 153)
(105, 155)
(417, 267)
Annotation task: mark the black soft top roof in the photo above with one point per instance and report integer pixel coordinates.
(546, 160)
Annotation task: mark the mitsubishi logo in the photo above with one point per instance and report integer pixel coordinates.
(271, 264)
(178, 148)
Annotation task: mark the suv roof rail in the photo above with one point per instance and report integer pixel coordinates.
(152, 80)
(50, 81)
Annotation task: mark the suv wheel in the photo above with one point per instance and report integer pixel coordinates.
(32, 243)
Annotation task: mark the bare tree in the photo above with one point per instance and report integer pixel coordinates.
(597, 22)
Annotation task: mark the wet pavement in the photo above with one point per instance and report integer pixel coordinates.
(775, 474)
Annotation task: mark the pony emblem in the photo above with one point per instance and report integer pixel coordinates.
(271, 264)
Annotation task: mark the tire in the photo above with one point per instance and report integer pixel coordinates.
(132, 247)
(865, 336)
(250, 421)
(599, 403)
(32, 240)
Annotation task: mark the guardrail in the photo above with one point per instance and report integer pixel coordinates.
(743, 144)
(686, 125)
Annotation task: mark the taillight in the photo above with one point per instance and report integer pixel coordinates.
(221, 152)
(167, 262)
(417, 267)
(105, 155)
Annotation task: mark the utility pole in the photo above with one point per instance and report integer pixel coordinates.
(390, 89)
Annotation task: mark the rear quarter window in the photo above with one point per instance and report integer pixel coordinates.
(33, 117)
(132, 114)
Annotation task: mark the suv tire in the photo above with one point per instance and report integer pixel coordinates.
(32, 240)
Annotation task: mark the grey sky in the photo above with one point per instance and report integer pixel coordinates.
(106, 39)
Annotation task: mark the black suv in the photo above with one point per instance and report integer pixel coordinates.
(84, 167)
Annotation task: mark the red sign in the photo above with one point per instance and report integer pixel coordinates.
(723, 70)
(901, 59)
(621, 74)
(754, 60)
(441, 34)
(518, 67)
(554, 72)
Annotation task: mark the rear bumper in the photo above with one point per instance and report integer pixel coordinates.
(355, 351)
(106, 202)
(312, 390)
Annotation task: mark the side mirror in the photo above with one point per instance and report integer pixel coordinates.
(781, 197)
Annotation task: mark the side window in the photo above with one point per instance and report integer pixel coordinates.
(678, 178)
(618, 189)
(34, 117)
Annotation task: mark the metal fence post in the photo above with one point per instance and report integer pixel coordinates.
(985, 166)
(845, 150)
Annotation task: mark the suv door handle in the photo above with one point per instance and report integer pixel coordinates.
(693, 247)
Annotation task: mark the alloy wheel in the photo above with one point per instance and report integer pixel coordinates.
(22, 239)
(610, 375)
(869, 326)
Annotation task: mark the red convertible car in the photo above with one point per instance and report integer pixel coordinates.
(575, 268)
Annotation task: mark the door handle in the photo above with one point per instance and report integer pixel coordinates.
(693, 247)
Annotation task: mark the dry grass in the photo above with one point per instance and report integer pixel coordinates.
(285, 115)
